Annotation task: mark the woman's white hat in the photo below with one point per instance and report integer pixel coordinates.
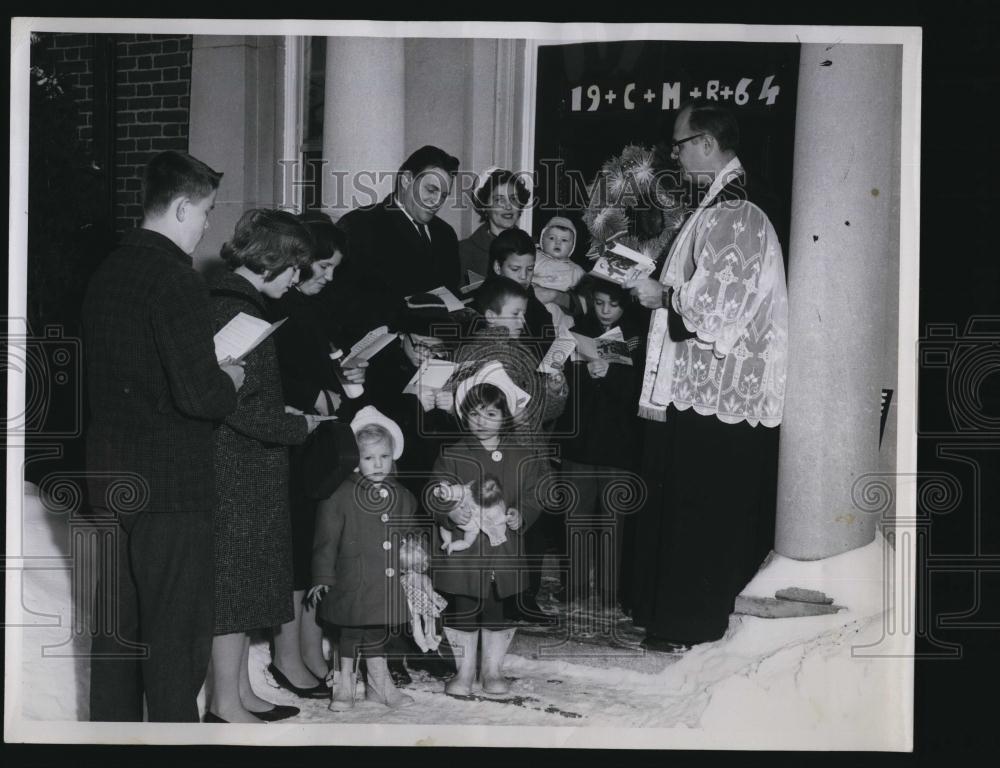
(372, 415)
(493, 373)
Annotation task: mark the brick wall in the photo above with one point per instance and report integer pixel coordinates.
(70, 57)
(152, 92)
(152, 83)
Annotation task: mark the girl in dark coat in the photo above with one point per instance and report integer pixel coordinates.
(356, 560)
(253, 568)
(600, 444)
(478, 579)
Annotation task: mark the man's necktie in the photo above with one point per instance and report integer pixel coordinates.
(424, 236)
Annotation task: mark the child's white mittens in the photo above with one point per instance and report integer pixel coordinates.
(461, 513)
(452, 492)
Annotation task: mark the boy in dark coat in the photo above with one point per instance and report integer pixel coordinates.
(155, 389)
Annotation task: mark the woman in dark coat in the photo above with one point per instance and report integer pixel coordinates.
(498, 198)
(310, 385)
(253, 568)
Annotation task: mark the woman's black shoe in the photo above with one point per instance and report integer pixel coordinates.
(318, 691)
(662, 645)
(211, 717)
(277, 712)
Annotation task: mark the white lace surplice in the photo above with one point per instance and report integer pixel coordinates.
(729, 286)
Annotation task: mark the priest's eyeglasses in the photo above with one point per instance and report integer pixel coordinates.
(675, 146)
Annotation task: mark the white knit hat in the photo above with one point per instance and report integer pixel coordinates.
(560, 221)
(493, 373)
(372, 415)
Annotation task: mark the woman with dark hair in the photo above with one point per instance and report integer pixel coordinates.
(601, 446)
(252, 537)
(499, 197)
(310, 385)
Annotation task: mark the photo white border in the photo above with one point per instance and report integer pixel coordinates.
(17, 729)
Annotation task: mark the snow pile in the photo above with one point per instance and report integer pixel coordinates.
(769, 682)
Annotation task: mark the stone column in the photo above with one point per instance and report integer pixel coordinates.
(363, 120)
(236, 107)
(842, 286)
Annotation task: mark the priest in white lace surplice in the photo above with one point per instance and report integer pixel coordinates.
(713, 393)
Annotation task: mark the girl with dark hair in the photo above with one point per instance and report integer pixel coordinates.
(499, 197)
(478, 579)
(252, 537)
(600, 442)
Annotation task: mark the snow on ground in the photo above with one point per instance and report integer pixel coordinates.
(799, 676)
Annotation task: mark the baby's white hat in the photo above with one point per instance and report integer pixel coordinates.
(372, 415)
(493, 373)
(561, 221)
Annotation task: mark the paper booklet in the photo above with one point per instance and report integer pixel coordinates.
(451, 302)
(365, 349)
(241, 335)
(475, 280)
(432, 374)
(559, 352)
(610, 347)
(620, 264)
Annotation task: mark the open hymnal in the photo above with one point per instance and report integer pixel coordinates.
(559, 352)
(369, 346)
(432, 374)
(241, 335)
(610, 347)
(621, 264)
(475, 280)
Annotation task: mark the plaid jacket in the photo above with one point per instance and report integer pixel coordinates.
(154, 385)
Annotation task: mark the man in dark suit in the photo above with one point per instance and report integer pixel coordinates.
(398, 247)
(154, 390)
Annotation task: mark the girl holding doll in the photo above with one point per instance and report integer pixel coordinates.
(477, 579)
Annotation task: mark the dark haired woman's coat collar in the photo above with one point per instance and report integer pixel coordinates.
(231, 282)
